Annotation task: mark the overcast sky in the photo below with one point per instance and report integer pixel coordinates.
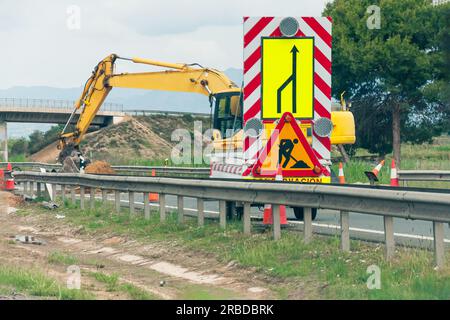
(39, 48)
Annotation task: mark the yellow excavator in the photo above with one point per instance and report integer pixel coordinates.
(224, 95)
(178, 77)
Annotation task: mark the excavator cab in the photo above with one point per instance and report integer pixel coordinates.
(227, 112)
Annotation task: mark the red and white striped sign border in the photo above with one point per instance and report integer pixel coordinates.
(257, 27)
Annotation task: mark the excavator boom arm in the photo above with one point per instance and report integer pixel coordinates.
(179, 77)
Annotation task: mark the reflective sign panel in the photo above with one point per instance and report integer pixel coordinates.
(287, 77)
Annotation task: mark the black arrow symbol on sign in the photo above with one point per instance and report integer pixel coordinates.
(292, 78)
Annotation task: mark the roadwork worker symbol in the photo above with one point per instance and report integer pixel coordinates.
(287, 148)
(285, 155)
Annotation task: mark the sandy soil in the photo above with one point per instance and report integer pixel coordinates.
(186, 274)
(48, 155)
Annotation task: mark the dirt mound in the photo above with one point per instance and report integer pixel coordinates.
(125, 141)
(100, 167)
(135, 138)
(48, 155)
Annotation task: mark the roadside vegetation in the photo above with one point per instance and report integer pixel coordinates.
(435, 156)
(321, 267)
(113, 284)
(34, 284)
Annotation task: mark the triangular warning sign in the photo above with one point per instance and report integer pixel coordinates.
(288, 148)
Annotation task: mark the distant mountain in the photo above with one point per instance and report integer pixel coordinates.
(130, 98)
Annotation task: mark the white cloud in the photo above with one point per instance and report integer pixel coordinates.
(39, 49)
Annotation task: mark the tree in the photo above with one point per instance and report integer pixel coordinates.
(390, 72)
(18, 146)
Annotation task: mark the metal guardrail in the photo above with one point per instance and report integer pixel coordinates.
(141, 170)
(162, 170)
(51, 103)
(142, 112)
(31, 165)
(426, 206)
(423, 175)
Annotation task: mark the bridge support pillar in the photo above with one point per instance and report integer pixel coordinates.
(4, 141)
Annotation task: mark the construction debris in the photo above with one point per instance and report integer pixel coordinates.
(26, 239)
(49, 205)
(100, 167)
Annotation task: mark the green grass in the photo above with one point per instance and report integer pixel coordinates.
(34, 283)
(57, 257)
(111, 281)
(113, 285)
(17, 158)
(196, 292)
(426, 156)
(342, 275)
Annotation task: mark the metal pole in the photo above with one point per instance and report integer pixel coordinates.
(162, 207)
(92, 198)
(246, 219)
(276, 222)
(439, 249)
(222, 214)
(180, 207)
(131, 202)
(146, 206)
(200, 212)
(54, 192)
(31, 188)
(38, 189)
(72, 194)
(345, 231)
(389, 237)
(63, 194)
(307, 220)
(117, 200)
(82, 197)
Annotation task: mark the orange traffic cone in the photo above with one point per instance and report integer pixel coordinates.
(153, 197)
(341, 174)
(373, 175)
(9, 167)
(2, 179)
(267, 218)
(394, 176)
(268, 214)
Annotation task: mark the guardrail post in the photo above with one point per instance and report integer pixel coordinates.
(25, 188)
(82, 197)
(389, 237)
(439, 246)
(72, 194)
(146, 206)
(307, 224)
(104, 195)
(276, 222)
(92, 198)
(38, 189)
(63, 193)
(117, 201)
(246, 219)
(180, 207)
(345, 231)
(162, 207)
(53, 192)
(222, 214)
(201, 212)
(31, 188)
(131, 202)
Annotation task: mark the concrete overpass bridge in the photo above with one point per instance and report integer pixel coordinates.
(48, 111)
